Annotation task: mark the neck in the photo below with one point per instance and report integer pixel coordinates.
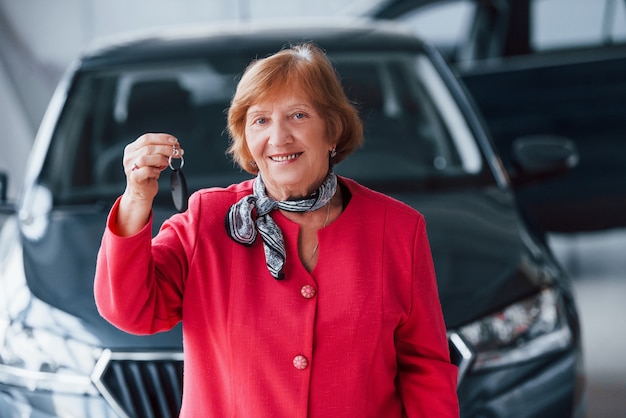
(289, 193)
(334, 207)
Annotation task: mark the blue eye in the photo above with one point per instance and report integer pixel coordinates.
(260, 121)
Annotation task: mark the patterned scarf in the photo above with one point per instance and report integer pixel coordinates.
(243, 229)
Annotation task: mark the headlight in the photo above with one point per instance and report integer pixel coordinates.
(44, 357)
(525, 330)
(39, 360)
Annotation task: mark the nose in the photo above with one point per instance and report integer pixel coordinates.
(280, 132)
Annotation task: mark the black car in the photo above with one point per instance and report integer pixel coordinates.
(512, 320)
(542, 67)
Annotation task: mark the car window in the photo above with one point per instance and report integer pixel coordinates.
(413, 127)
(444, 23)
(108, 109)
(576, 23)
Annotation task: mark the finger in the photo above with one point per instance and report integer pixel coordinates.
(139, 171)
(155, 150)
(151, 142)
(174, 150)
(165, 151)
(151, 155)
(156, 161)
(157, 139)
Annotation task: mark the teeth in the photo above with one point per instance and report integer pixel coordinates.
(284, 157)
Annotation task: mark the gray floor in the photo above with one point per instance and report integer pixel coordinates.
(597, 264)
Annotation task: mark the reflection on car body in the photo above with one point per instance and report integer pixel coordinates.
(512, 320)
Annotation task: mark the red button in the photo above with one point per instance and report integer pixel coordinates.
(307, 291)
(300, 362)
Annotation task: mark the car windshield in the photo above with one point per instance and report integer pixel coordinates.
(414, 131)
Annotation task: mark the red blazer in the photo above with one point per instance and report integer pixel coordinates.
(361, 336)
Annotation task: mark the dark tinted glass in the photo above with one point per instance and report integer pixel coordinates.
(413, 130)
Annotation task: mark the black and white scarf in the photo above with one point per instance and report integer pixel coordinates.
(243, 229)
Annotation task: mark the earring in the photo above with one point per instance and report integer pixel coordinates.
(333, 152)
(253, 164)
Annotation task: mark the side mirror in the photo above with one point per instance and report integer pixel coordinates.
(35, 211)
(537, 158)
(4, 185)
(6, 208)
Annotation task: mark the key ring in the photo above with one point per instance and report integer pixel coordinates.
(178, 184)
(175, 152)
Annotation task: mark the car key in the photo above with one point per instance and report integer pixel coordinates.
(178, 184)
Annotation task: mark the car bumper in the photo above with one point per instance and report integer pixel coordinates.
(19, 403)
(551, 387)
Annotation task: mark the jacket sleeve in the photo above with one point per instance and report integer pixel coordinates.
(427, 379)
(138, 285)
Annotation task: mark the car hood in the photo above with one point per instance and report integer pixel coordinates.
(483, 257)
(59, 268)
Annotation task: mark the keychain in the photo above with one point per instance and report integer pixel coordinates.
(178, 184)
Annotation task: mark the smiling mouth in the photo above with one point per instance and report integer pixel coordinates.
(283, 158)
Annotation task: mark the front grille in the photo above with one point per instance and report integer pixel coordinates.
(141, 385)
(150, 385)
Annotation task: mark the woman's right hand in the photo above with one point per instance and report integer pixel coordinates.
(144, 160)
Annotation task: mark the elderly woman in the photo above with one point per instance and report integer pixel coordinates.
(302, 294)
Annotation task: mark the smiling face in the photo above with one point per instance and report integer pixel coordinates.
(289, 142)
(275, 86)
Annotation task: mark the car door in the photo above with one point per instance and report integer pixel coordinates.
(536, 68)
